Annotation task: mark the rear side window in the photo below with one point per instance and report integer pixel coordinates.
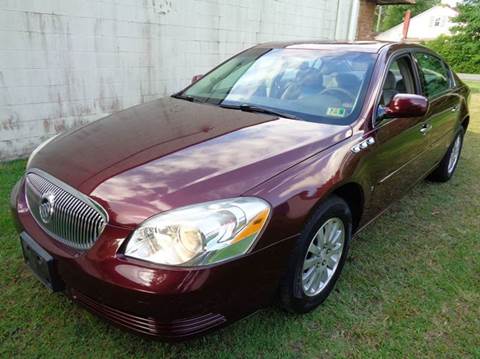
(434, 73)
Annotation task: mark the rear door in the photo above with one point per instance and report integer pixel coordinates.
(437, 84)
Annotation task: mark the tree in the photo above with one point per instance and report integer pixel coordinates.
(393, 14)
(462, 49)
(468, 20)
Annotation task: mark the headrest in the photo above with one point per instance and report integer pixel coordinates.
(347, 80)
(331, 67)
(390, 81)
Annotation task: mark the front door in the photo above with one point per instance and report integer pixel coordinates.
(398, 158)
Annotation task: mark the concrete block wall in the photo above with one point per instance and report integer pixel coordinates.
(64, 63)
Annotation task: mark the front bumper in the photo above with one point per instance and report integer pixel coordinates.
(164, 302)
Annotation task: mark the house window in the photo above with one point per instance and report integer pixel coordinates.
(437, 21)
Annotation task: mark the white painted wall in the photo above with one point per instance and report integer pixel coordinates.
(67, 62)
(428, 25)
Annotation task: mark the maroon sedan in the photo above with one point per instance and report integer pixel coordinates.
(186, 213)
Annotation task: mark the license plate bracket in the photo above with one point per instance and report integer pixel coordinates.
(41, 263)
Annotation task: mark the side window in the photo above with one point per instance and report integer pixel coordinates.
(399, 79)
(434, 73)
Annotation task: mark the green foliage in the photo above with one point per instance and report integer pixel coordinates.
(393, 14)
(462, 50)
(462, 55)
(468, 20)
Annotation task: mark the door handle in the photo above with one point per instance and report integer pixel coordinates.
(454, 108)
(425, 128)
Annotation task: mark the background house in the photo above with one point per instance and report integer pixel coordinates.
(65, 63)
(428, 25)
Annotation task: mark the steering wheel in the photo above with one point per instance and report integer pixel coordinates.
(338, 91)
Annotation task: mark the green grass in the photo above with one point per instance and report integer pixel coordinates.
(411, 288)
(474, 86)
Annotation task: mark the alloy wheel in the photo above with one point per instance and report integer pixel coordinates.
(454, 155)
(323, 256)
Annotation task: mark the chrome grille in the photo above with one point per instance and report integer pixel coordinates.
(64, 213)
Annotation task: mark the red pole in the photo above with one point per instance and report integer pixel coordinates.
(406, 24)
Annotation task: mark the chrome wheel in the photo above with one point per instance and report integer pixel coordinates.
(454, 155)
(323, 256)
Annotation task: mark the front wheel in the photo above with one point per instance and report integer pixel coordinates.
(318, 257)
(449, 162)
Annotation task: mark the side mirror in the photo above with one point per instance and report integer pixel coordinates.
(195, 78)
(406, 105)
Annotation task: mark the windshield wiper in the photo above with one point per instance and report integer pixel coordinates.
(253, 108)
(183, 97)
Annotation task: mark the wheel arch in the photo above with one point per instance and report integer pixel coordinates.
(353, 194)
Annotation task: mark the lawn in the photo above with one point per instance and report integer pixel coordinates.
(410, 288)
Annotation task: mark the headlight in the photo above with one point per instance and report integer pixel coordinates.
(39, 147)
(201, 234)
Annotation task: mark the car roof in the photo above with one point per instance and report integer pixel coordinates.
(362, 46)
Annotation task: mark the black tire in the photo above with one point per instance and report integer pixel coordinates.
(442, 173)
(292, 294)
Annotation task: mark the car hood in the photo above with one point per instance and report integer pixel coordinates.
(170, 153)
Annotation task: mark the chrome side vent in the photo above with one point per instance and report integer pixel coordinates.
(64, 213)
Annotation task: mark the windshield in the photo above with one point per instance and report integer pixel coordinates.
(313, 85)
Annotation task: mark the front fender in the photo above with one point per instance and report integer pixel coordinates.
(296, 192)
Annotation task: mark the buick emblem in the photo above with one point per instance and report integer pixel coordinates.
(46, 206)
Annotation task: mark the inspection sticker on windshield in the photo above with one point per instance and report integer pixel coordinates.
(336, 111)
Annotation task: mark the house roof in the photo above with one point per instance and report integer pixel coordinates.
(417, 23)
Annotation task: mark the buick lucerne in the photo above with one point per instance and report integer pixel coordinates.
(183, 214)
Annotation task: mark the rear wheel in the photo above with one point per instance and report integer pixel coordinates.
(448, 164)
(318, 257)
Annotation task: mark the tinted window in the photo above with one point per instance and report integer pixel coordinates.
(315, 85)
(399, 79)
(435, 74)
